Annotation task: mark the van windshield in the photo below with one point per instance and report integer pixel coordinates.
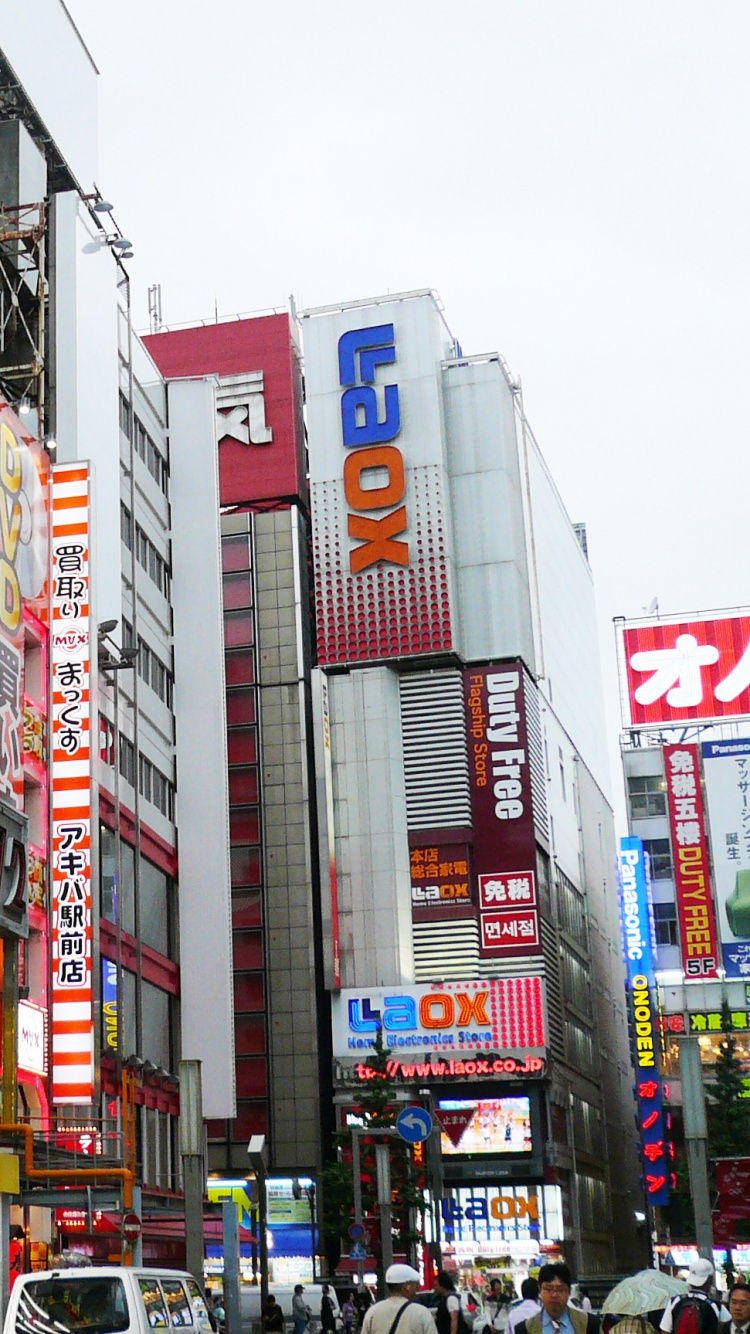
(73, 1305)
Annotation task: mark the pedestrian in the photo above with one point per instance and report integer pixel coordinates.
(448, 1309)
(528, 1305)
(739, 1308)
(494, 1305)
(349, 1313)
(399, 1309)
(327, 1311)
(300, 1310)
(556, 1314)
(362, 1303)
(273, 1317)
(696, 1312)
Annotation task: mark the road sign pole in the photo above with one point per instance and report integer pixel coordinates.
(357, 1176)
(383, 1161)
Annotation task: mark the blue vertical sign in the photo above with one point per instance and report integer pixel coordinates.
(637, 920)
(109, 1005)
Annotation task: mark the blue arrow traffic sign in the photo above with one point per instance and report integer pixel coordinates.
(358, 1252)
(414, 1124)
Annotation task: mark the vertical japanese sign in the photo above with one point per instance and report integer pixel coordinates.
(72, 1009)
(636, 917)
(726, 766)
(504, 842)
(695, 908)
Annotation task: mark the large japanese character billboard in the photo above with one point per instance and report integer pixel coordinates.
(72, 994)
(675, 671)
(381, 538)
(695, 906)
(726, 765)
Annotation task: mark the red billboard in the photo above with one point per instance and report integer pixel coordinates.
(504, 842)
(679, 671)
(701, 953)
(259, 401)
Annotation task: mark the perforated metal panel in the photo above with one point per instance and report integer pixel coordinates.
(446, 950)
(436, 765)
(536, 757)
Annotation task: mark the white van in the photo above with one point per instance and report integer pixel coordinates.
(106, 1301)
(283, 1292)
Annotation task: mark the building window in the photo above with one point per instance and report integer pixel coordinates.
(571, 911)
(561, 763)
(665, 923)
(124, 415)
(575, 979)
(154, 907)
(127, 760)
(660, 856)
(154, 564)
(150, 455)
(153, 672)
(579, 1043)
(155, 788)
(648, 796)
(126, 527)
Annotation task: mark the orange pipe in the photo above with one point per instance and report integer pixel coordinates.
(68, 1173)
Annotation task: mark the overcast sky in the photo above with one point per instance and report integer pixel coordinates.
(571, 177)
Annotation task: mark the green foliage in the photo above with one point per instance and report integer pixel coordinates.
(728, 1111)
(376, 1105)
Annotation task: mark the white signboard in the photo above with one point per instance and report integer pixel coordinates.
(32, 1047)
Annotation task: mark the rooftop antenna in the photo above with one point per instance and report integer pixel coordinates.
(216, 310)
(653, 607)
(154, 308)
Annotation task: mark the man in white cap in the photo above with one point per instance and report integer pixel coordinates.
(695, 1313)
(399, 1313)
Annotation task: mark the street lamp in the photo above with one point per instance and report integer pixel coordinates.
(257, 1153)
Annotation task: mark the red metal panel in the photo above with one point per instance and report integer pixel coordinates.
(687, 670)
(268, 343)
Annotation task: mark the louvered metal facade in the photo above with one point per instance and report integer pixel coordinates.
(537, 767)
(446, 950)
(436, 764)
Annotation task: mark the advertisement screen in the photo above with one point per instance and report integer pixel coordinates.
(486, 1125)
(726, 766)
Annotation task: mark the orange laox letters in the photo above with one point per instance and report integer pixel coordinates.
(378, 535)
(472, 1007)
(382, 456)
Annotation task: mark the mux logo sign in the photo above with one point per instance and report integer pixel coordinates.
(374, 476)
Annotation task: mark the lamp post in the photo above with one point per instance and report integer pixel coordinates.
(258, 1158)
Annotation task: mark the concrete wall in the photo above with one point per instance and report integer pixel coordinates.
(280, 565)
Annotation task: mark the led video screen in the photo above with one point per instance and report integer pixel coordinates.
(485, 1125)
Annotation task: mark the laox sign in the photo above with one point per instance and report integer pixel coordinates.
(436, 1010)
(361, 351)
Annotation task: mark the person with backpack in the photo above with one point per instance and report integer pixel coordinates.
(696, 1312)
(448, 1309)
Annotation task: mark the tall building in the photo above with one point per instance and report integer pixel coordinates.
(686, 763)
(469, 901)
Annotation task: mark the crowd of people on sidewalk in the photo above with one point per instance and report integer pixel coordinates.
(651, 1304)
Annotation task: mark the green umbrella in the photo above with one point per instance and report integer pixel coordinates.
(649, 1290)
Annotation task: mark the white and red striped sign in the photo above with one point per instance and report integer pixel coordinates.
(72, 994)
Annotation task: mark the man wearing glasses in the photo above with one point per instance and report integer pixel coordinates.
(556, 1316)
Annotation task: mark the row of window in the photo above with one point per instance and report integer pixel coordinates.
(588, 1127)
(575, 981)
(145, 551)
(571, 911)
(579, 1045)
(145, 447)
(154, 896)
(151, 669)
(152, 783)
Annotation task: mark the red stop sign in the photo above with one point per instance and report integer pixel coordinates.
(131, 1227)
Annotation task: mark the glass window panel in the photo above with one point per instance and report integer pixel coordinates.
(237, 591)
(248, 950)
(244, 824)
(156, 1044)
(243, 786)
(154, 892)
(248, 993)
(242, 746)
(235, 552)
(252, 1077)
(127, 887)
(128, 1017)
(249, 1035)
(108, 874)
(238, 628)
(247, 908)
(240, 707)
(240, 669)
(245, 863)
(177, 1302)
(154, 1303)
(251, 1119)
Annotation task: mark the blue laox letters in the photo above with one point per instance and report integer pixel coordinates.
(399, 1012)
(360, 420)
